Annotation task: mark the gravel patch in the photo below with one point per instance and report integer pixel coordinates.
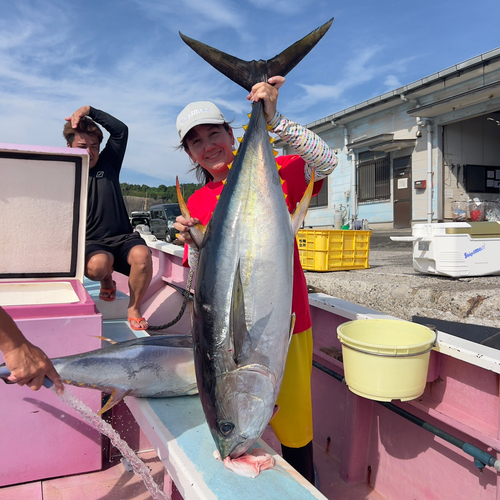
(391, 286)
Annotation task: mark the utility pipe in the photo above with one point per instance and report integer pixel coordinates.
(481, 458)
(353, 199)
(354, 186)
(429, 172)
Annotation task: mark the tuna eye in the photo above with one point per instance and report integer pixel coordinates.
(226, 428)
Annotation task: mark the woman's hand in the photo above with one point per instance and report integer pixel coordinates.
(268, 92)
(183, 225)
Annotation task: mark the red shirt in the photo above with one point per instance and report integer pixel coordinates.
(201, 205)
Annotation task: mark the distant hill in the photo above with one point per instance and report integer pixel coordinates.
(161, 192)
(144, 197)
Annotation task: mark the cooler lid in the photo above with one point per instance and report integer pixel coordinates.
(482, 229)
(43, 206)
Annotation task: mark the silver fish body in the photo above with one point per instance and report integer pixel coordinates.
(160, 366)
(243, 297)
(242, 319)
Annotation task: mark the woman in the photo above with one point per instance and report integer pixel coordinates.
(208, 140)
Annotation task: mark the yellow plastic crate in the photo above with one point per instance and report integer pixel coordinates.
(333, 249)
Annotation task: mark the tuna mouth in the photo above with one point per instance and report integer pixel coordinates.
(235, 451)
(238, 450)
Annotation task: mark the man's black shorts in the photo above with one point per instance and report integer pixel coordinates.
(119, 246)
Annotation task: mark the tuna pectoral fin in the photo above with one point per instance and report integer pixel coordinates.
(116, 396)
(237, 320)
(197, 232)
(299, 214)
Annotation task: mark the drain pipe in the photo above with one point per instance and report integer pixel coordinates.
(353, 199)
(428, 124)
(354, 187)
(481, 458)
(429, 172)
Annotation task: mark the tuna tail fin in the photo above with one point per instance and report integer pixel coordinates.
(300, 211)
(197, 232)
(248, 73)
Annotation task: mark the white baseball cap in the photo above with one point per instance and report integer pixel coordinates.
(198, 113)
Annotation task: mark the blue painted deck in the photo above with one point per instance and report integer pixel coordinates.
(186, 440)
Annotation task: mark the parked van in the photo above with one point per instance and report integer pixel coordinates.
(162, 221)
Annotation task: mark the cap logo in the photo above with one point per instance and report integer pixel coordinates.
(194, 112)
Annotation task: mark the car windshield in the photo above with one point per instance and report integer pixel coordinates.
(139, 220)
(174, 211)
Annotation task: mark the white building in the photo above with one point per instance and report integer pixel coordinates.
(406, 155)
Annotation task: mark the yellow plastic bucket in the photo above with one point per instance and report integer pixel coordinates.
(386, 359)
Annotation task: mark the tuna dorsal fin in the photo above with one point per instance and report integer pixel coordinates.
(237, 320)
(248, 73)
(301, 209)
(106, 339)
(197, 232)
(116, 396)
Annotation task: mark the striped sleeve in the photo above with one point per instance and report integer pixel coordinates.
(311, 148)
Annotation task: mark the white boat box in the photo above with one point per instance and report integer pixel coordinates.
(455, 249)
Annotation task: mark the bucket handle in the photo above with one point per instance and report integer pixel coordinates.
(388, 355)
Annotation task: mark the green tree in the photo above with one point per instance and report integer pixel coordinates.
(162, 192)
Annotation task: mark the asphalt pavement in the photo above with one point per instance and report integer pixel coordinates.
(393, 287)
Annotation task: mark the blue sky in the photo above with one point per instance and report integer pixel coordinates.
(126, 57)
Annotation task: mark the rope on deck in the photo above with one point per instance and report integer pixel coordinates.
(186, 294)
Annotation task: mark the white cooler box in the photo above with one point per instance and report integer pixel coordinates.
(455, 249)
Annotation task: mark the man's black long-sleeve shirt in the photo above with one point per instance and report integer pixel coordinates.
(106, 212)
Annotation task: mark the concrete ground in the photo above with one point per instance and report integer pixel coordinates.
(391, 286)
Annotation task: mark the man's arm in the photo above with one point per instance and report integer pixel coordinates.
(118, 132)
(27, 363)
(115, 148)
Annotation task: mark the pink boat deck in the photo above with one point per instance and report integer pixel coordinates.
(116, 483)
(111, 483)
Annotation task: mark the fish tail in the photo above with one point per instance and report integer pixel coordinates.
(248, 73)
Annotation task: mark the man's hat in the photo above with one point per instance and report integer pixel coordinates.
(198, 113)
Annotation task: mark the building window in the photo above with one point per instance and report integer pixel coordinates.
(374, 176)
(321, 199)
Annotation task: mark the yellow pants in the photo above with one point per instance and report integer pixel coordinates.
(292, 424)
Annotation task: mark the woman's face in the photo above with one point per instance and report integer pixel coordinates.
(212, 147)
